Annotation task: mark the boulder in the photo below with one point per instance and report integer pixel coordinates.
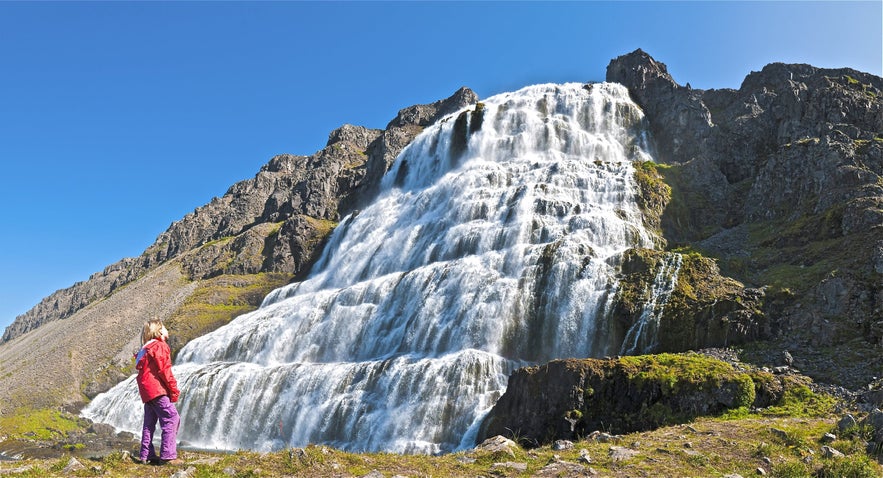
(622, 395)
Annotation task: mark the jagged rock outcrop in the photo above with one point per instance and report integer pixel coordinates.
(704, 308)
(274, 222)
(781, 181)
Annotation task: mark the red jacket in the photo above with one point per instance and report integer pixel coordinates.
(155, 379)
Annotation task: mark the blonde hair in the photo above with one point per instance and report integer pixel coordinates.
(152, 330)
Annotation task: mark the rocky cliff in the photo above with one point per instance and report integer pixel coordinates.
(780, 183)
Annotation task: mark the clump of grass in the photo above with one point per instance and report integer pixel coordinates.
(800, 401)
(855, 466)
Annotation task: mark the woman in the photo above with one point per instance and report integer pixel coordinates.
(159, 390)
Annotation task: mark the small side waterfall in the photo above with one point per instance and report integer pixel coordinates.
(642, 335)
(495, 244)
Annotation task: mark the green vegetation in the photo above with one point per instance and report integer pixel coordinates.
(653, 193)
(707, 447)
(37, 424)
(219, 300)
(671, 369)
(800, 401)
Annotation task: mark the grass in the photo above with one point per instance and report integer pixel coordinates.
(37, 424)
(708, 447)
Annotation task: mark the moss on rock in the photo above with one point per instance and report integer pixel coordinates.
(705, 309)
(219, 300)
(571, 398)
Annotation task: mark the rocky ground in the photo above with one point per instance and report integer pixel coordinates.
(754, 445)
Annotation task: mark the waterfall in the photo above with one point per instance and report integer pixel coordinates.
(641, 336)
(494, 244)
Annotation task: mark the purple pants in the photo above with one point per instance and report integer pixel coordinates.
(161, 409)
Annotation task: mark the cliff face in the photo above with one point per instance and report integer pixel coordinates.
(781, 183)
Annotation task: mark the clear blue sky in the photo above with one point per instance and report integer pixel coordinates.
(118, 118)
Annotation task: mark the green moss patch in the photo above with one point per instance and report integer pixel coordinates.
(219, 300)
(653, 193)
(37, 424)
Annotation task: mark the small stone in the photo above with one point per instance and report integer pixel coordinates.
(510, 465)
(733, 475)
(497, 444)
(688, 445)
(607, 438)
(829, 452)
(767, 460)
(562, 445)
(185, 473)
(760, 471)
(584, 456)
(374, 474)
(846, 423)
(621, 453)
(829, 437)
(779, 433)
(72, 465)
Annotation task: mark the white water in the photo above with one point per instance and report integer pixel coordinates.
(465, 268)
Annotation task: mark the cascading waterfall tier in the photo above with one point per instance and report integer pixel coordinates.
(494, 244)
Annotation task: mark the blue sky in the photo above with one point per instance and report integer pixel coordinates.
(118, 118)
